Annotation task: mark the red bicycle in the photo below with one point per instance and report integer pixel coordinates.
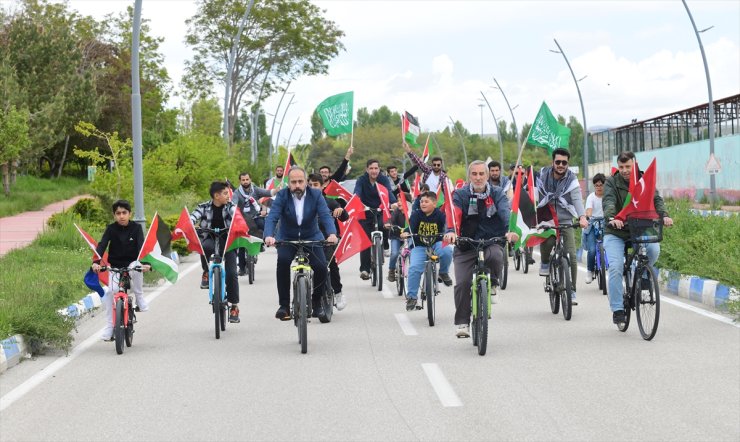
(123, 307)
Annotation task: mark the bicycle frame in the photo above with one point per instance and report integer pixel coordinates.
(481, 273)
(124, 285)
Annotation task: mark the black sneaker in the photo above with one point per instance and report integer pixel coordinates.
(364, 275)
(234, 314)
(446, 279)
(242, 272)
(411, 304)
(283, 314)
(318, 310)
(204, 280)
(618, 317)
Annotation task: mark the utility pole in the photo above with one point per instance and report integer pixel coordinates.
(139, 214)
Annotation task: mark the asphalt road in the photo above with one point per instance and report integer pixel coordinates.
(377, 372)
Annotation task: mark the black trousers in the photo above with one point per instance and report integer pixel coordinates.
(368, 224)
(336, 280)
(256, 226)
(317, 260)
(232, 280)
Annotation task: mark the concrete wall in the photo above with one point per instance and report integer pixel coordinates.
(681, 168)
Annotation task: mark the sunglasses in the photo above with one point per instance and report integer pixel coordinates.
(561, 162)
(436, 165)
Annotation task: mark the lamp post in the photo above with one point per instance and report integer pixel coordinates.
(480, 105)
(583, 113)
(230, 70)
(280, 128)
(274, 119)
(712, 182)
(513, 119)
(465, 152)
(291, 131)
(495, 122)
(139, 216)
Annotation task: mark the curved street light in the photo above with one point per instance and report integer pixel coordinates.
(495, 122)
(465, 152)
(272, 129)
(583, 112)
(511, 110)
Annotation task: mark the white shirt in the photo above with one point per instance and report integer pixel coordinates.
(593, 202)
(433, 182)
(298, 207)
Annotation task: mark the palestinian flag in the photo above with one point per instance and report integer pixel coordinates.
(335, 190)
(270, 186)
(642, 192)
(156, 250)
(239, 236)
(289, 162)
(410, 128)
(532, 186)
(522, 210)
(184, 229)
(428, 150)
(447, 206)
(404, 206)
(104, 277)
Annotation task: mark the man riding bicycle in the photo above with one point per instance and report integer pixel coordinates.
(485, 214)
(300, 210)
(616, 189)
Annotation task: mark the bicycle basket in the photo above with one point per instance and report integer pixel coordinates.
(645, 227)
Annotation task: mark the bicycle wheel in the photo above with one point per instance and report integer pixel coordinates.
(118, 330)
(647, 303)
(505, 270)
(473, 310)
(565, 288)
(517, 259)
(129, 330)
(525, 258)
(327, 301)
(302, 295)
(601, 265)
(626, 295)
(379, 263)
(400, 282)
(373, 267)
(429, 277)
(250, 269)
(552, 283)
(216, 286)
(483, 297)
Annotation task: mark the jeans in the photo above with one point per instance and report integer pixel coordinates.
(229, 260)
(614, 249)
(418, 260)
(589, 244)
(569, 244)
(395, 251)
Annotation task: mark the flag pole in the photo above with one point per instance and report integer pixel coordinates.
(521, 148)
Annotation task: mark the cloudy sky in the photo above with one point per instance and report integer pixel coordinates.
(640, 58)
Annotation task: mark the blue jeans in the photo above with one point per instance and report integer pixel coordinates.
(395, 251)
(614, 249)
(588, 241)
(416, 266)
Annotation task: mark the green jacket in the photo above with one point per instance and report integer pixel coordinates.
(616, 189)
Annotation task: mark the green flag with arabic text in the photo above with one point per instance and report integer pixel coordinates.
(546, 132)
(336, 113)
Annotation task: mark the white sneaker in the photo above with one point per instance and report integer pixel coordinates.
(387, 253)
(573, 299)
(463, 331)
(589, 277)
(340, 301)
(141, 304)
(107, 334)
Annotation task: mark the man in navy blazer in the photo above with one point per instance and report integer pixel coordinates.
(299, 209)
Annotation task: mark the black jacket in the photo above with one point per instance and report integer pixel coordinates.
(123, 243)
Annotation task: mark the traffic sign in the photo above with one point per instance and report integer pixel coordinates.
(713, 167)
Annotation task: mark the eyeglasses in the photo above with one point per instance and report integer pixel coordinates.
(561, 162)
(436, 165)
(599, 185)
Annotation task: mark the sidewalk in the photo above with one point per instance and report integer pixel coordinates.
(20, 230)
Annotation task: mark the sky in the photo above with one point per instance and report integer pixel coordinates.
(640, 58)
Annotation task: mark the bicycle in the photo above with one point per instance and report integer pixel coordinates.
(505, 269)
(303, 288)
(217, 280)
(402, 263)
(250, 260)
(558, 283)
(376, 250)
(124, 316)
(483, 288)
(602, 263)
(430, 289)
(639, 276)
(521, 259)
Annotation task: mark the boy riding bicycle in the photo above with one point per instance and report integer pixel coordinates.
(123, 239)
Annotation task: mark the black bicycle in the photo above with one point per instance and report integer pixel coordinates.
(376, 249)
(558, 283)
(505, 270)
(123, 307)
(641, 291)
(303, 289)
(483, 288)
(251, 260)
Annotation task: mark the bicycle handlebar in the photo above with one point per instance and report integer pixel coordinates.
(480, 243)
(209, 231)
(301, 242)
(121, 269)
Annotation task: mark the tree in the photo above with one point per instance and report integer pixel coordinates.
(13, 140)
(281, 41)
(502, 130)
(206, 117)
(119, 150)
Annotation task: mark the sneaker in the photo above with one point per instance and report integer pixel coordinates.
(446, 279)
(411, 304)
(530, 261)
(618, 317)
(234, 314)
(242, 272)
(391, 275)
(463, 331)
(204, 280)
(340, 301)
(544, 269)
(589, 277)
(283, 313)
(107, 334)
(387, 253)
(141, 305)
(573, 299)
(318, 310)
(364, 275)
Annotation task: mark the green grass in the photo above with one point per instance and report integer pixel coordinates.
(32, 193)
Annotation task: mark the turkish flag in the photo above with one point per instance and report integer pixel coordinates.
(186, 230)
(354, 240)
(385, 204)
(335, 190)
(641, 194)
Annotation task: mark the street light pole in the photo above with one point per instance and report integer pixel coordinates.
(291, 131)
(583, 112)
(465, 152)
(516, 131)
(280, 128)
(274, 119)
(481, 119)
(230, 70)
(500, 138)
(712, 182)
(139, 214)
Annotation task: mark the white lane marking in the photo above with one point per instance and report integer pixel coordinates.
(387, 293)
(35, 380)
(683, 305)
(406, 325)
(442, 387)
